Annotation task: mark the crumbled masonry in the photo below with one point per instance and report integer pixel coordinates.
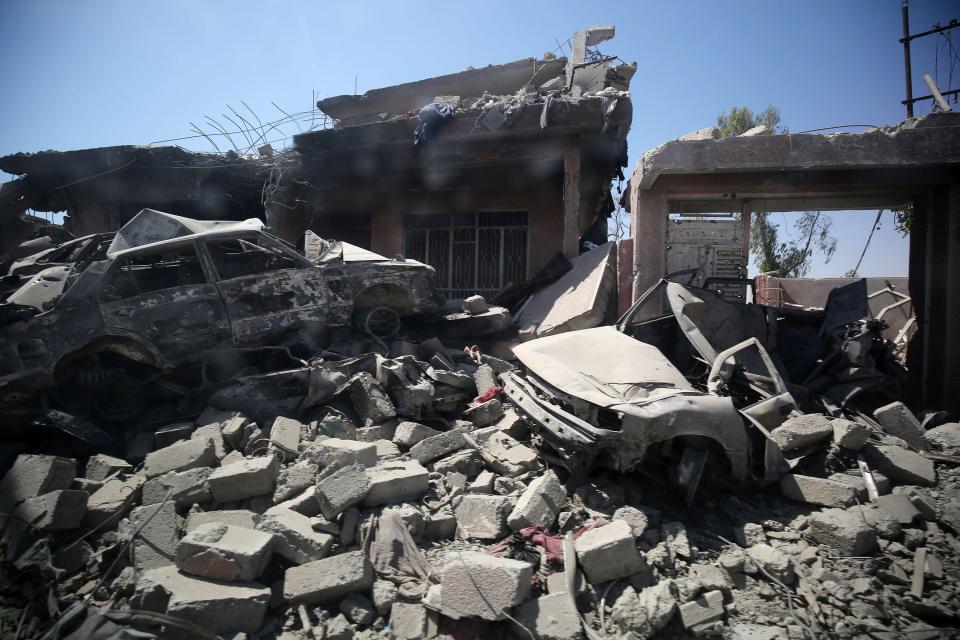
(366, 460)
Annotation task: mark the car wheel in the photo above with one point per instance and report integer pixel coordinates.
(118, 398)
(379, 322)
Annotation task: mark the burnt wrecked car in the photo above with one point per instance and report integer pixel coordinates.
(699, 387)
(70, 252)
(166, 291)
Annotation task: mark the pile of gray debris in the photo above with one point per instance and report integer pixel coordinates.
(405, 497)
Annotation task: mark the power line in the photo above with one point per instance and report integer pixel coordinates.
(869, 237)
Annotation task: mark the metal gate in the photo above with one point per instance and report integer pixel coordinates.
(476, 252)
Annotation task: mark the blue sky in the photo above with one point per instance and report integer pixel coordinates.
(99, 72)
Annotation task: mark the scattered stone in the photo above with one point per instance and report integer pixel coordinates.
(235, 517)
(285, 436)
(171, 433)
(843, 531)
(101, 467)
(551, 617)
(214, 433)
(223, 552)
(704, 609)
(466, 462)
(180, 456)
(485, 379)
(608, 552)
(477, 585)
(34, 475)
(485, 413)
(156, 543)
(341, 489)
(295, 538)
(396, 481)
(475, 305)
(636, 518)
(334, 451)
(860, 486)
(820, 491)
(483, 517)
(410, 433)
(59, 510)
(901, 465)
(510, 457)
(328, 580)
(113, 500)
(899, 506)
(186, 487)
(223, 608)
(649, 611)
(849, 434)
(777, 563)
(434, 447)
(897, 420)
(802, 431)
(244, 479)
(384, 596)
(539, 504)
(946, 436)
(294, 479)
(483, 483)
(410, 622)
(369, 399)
(358, 609)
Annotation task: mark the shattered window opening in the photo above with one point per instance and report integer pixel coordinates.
(473, 252)
(236, 257)
(150, 271)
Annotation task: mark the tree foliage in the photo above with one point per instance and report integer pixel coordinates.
(788, 259)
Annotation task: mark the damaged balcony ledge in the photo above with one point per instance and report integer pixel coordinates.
(932, 140)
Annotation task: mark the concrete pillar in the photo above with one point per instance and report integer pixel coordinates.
(649, 238)
(571, 203)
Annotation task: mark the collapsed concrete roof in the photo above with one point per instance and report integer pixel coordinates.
(927, 141)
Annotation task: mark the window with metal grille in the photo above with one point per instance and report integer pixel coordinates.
(476, 252)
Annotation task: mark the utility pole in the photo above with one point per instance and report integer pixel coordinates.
(907, 69)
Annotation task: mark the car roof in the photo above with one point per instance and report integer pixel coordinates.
(151, 228)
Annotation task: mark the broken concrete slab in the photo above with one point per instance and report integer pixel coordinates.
(901, 465)
(285, 436)
(551, 617)
(466, 462)
(539, 504)
(341, 489)
(214, 433)
(155, 545)
(577, 300)
(475, 305)
(168, 434)
(33, 475)
(608, 552)
(945, 436)
(294, 479)
(113, 500)
(335, 451)
(485, 379)
(296, 539)
(223, 552)
(370, 400)
(899, 506)
(802, 431)
(304, 503)
(60, 510)
(221, 607)
(819, 491)
(477, 585)
(410, 621)
(483, 517)
(358, 609)
(777, 563)
(102, 466)
(180, 456)
(849, 434)
(233, 517)
(396, 481)
(843, 531)
(637, 519)
(429, 449)
(897, 420)
(484, 414)
(408, 433)
(703, 609)
(328, 580)
(186, 487)
(244, 479)
(509, 457)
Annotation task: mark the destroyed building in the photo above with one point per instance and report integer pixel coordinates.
(705, 466)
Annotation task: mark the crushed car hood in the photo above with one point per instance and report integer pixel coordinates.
(602, 366)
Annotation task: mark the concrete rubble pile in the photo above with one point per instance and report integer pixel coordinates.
(415, 504)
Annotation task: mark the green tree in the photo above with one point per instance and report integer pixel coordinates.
(787, 259)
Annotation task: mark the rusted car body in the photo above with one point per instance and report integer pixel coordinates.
(168, 290)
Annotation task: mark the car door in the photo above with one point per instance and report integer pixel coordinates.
(270, 292)
(167, 297)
